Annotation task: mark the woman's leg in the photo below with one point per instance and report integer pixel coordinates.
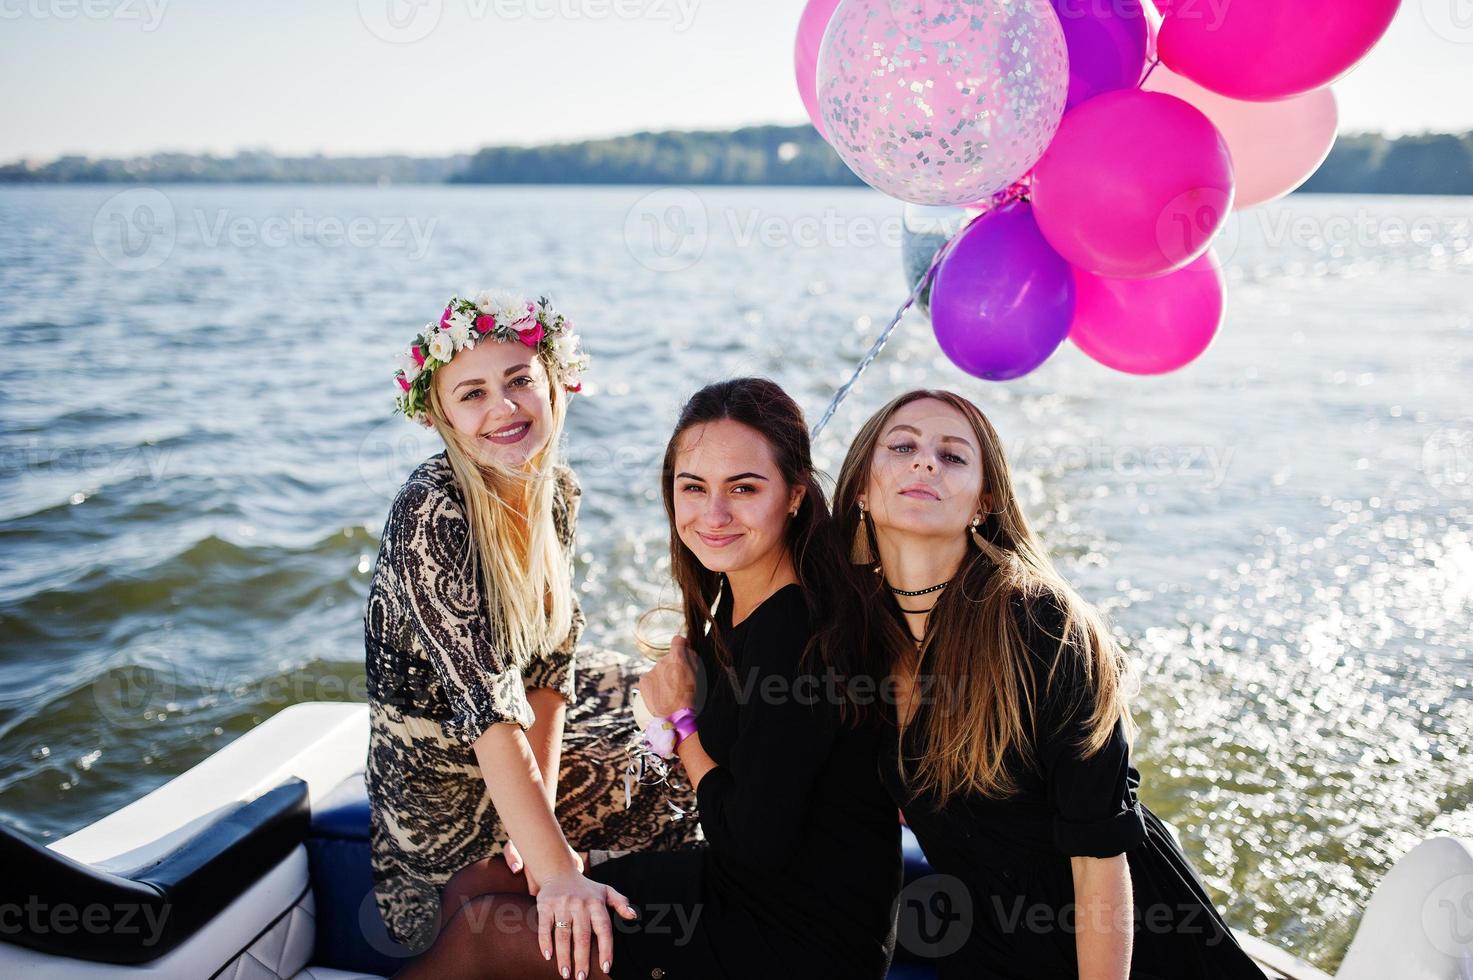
(490, 876)
(491, 937)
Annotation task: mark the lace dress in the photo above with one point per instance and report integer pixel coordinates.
(437, 681)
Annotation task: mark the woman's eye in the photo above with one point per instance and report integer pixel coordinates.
(902, 447)
(953, 457)
(473, 393)
(692, 488)
(743, 488)
(522, 382)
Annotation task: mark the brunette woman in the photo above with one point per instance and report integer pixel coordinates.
(1011, 759)
(802, 864)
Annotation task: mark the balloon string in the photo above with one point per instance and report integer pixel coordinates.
(1154, 63)
(882, 339)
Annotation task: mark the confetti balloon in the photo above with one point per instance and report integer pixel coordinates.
(942, 102)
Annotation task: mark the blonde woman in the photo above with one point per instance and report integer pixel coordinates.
(470, 631)
(1012, 759)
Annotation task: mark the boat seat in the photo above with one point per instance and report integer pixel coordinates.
(351, 935)
(168, 898)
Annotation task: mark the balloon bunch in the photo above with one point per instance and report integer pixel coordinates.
(1076, 158)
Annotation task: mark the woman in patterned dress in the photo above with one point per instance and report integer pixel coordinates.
(470, 631)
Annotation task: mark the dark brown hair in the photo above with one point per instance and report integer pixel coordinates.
(975, 648)
(762, 406)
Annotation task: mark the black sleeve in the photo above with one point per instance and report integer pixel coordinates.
(752, 809)
(1095, 812)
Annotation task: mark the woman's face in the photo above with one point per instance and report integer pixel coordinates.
(732, 505)
(925, 475)
(497, 395)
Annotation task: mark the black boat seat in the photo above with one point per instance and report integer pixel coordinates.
(151, 910)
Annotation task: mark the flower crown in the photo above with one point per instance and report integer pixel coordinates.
(494, 314)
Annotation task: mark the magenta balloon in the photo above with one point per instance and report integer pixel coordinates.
(1107, 45)
(1135, 184)
(1269, 49)
(1003, 300)
(1276, 146)
(811, 25)
(1149, 326)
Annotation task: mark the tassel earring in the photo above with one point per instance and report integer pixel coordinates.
(860, 552)
(977, 538)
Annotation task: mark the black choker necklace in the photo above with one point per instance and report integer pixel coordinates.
(934, 588)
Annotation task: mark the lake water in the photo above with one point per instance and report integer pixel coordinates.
(197, 454)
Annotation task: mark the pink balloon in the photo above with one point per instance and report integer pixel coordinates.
(1276, 146)
(1135, 184)
(815, 20)
(1269, 49)
(1148, 326)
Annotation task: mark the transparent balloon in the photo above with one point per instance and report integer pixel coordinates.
(942, 101)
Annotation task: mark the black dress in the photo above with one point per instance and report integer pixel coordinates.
(802, 866)
(1003, 906)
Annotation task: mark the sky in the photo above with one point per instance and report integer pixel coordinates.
(434, 77)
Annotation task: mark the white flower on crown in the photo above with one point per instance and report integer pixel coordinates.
(506, 306)
(459, 329)
(565, 347)
(442, 348)
(409, 366)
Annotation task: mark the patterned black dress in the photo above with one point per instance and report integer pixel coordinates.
(437, 681)
(1003, 906)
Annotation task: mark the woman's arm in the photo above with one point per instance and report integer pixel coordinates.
(1103, 915)
(520, 796)
(546, 737)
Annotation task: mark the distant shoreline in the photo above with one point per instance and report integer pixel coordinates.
(759, 156)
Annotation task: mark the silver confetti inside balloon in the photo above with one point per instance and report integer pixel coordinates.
(942, 101)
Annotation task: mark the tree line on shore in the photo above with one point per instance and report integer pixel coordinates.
(1369, 163)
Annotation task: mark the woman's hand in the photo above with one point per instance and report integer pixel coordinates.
(514, 861)
(571, 910)
(671, 684)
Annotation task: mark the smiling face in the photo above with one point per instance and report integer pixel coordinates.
(497, 396)
(732, 504)
(925, 475)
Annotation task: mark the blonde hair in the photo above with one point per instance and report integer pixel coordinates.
(974, 647)
(525, 574)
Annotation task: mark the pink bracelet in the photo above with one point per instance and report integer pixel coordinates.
(664, 735)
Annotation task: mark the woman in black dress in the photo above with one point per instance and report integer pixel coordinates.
(801, 868)
(1011, 753)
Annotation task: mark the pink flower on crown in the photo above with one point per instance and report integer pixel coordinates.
(402, 383)
(485, 324)
(419, 358)
(532, 336)
(445, 317)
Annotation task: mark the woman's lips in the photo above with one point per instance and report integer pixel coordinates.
(717, 540)
(916, 492)
(511, 434)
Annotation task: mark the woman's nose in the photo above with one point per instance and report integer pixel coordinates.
(928, 462)
(718, 514)
(501, 407)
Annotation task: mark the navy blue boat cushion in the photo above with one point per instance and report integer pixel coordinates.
(350, 933)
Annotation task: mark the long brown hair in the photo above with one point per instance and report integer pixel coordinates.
(974, 647)
(762, 406)
(525, 573)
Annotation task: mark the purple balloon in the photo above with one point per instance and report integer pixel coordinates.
(1003, 299)
(1107, 45)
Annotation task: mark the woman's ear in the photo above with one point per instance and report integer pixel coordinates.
(797, 500)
